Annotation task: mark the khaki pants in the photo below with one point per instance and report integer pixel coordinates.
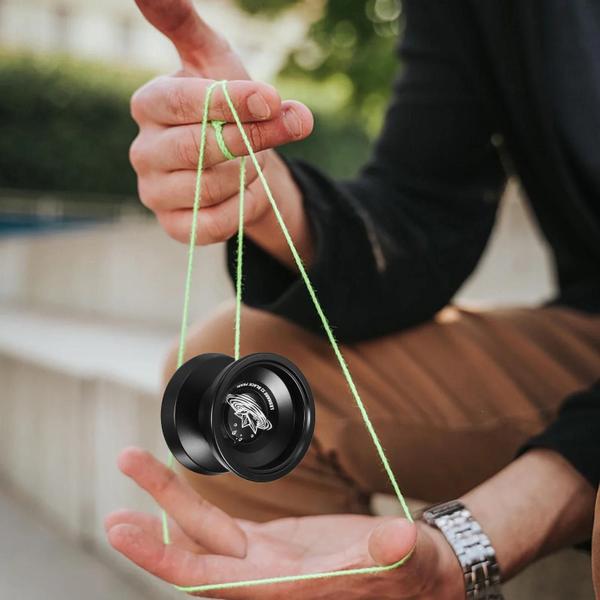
(452, 400)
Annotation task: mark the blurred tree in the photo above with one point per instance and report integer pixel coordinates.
(65, 124)
(352, 43)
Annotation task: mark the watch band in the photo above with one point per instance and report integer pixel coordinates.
(471, 546)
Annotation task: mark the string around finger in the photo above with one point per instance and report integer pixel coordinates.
(218, 126)
(218, 129)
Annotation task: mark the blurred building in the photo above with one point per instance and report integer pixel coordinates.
(114, 31)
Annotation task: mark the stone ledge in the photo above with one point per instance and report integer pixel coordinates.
(86, 348)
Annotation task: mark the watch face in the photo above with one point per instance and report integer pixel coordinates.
(431, 513)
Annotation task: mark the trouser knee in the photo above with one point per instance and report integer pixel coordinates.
(260, 332)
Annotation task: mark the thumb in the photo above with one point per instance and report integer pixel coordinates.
(392, 541)
(201, 49)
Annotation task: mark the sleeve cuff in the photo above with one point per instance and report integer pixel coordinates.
(575, 434)
(273, 287)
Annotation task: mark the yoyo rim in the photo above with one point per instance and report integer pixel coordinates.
(180, 415)
(300, 394)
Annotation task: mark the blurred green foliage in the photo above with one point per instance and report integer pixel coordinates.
(65, 125)
(343, 70)
(351, 43)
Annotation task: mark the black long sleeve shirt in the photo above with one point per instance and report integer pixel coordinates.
(395, 244)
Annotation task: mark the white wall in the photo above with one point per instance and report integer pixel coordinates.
(114, 31)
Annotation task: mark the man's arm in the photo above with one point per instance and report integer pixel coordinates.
(386, 250)
(392, 246)
(535, 506)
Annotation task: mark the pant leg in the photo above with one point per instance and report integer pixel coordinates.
(452, 400)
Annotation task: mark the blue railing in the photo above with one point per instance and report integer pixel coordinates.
(26, 212)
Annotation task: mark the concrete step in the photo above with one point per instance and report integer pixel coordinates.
(36, 561)
(129, 271)
(74, 393)
(132, 271)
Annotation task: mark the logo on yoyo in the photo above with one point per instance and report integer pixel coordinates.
(248, 411)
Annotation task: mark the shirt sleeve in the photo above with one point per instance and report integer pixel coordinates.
(575, 434)
(394, 244)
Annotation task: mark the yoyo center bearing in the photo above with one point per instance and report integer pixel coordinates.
(253, 416)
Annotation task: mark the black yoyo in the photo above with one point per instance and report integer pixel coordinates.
(253, 416)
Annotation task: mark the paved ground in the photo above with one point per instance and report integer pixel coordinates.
(36, 563)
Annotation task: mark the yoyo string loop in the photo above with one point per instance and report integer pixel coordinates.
(218, 129)
(237, 331)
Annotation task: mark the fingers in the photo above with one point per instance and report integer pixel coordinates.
(173, 564)
(201, 521)
(215, 223)
(392, 541)
(200, 48)
(152, 525)
(175, 190)
(180, 101)
(176, 148)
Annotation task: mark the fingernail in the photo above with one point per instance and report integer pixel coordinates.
(292, 123)
(258, 107)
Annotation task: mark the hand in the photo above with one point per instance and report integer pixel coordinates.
(164, 155)
(208, 546)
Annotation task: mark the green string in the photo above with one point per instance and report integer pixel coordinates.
(239, 263)
(190, 268)
(218, 127)
(237, 328)
(294, 578)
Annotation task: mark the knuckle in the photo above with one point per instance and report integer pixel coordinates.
(147, 193)
(211, 191)
(168, 224)
(261, 157)
(256, 136)
(142, 98)
(186, 149)
(166, 482)
(137, 104)
(253, 206)
(162, 560)
(251, 171)
(138, 155)
(177, 103)
(219, 108)
(215, 229)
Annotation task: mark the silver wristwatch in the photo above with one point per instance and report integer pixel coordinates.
(471, 546)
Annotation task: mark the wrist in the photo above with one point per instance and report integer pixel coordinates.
(266, 231)
(448, 582)
(535, 506)
(471, 549)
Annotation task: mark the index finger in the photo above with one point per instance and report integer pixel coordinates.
(171, 563)
(201, 521)
(201, 49)
(180, 101)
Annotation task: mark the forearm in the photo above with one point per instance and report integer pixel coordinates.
(535, 506)
(266, 233)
